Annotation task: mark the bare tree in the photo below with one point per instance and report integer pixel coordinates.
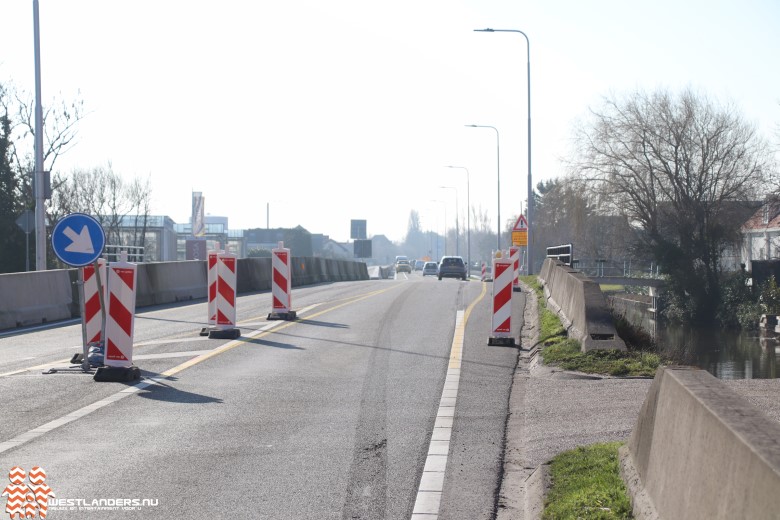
(122, 208)
(676, 167)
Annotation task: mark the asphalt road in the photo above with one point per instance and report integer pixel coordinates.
(331, 416)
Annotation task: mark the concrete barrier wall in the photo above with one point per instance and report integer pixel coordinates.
(35, 297)
(46, 296)
(702, 451)
(581, 305)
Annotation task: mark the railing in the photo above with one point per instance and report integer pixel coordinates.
(134, 253)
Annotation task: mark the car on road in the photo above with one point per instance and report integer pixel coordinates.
(430, 268)
(418, 265)
(402, 266)
(452, 267)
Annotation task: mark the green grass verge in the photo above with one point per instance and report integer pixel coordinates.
(586, 484)
(564, 352)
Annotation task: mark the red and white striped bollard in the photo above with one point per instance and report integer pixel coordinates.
(502, 301)
(281, 284)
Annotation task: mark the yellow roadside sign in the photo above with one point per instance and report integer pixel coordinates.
(520, 238)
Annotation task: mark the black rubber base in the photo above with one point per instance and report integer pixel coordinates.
(516, 289)
(117, 374)
(77, 359)
(204, 331)
(224, 333)
(288, 316)
(501, 342)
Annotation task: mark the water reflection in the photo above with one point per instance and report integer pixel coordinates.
(726, 355)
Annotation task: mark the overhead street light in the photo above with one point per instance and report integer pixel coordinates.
(457, 226)
(530, 184)
(468, 214)
(443, 203)
(498, 178)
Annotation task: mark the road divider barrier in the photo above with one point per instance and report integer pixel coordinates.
(120, 322)
(225, 300)
(281, 288)
(38, 297)
(502, 301)
(581, 306)
(484, 272)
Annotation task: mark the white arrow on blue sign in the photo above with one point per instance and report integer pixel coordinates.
(78, 239)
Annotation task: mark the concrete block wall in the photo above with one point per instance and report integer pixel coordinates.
(702, 451)
(47, 296)
(35, 297)
(581, 305)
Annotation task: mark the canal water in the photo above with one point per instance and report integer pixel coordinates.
(725, 354)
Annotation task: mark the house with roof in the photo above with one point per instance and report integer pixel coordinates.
(761, 234)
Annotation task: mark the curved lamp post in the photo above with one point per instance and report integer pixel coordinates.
(530, 185)
(457, 226)
(468, 215)
(498, 179)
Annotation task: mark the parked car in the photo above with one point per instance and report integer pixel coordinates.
(452, 267)
(430, 268)
(402, 266)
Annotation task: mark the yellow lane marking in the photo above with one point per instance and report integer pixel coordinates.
(274, 327)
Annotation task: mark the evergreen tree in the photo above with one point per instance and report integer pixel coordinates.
(12, 254)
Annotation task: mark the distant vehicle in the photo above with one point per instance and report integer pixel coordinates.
(418, 265)
(452, 267)
(402, 266)
(430, 268)
(401, 257)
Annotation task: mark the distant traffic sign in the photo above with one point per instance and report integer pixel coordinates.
(78, 239)
(521, 224)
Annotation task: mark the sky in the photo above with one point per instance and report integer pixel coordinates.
(324, 112)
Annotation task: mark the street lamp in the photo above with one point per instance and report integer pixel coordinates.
(445, 229)
(468, 216)
(530, 185)
(40, 212)
(498, 179)
(457, 226)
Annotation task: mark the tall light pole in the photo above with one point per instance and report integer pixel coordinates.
(40, 214)
(457, 227)
(530, 184)
(445, 228)
(468, 215)
(498, 178)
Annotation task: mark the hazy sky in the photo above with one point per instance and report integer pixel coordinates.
(341, 110)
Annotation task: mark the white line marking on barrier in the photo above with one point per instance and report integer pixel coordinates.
(426, 506)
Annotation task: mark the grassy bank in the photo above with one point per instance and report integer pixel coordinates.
(587, 485)
(586, 482)
(564, 352)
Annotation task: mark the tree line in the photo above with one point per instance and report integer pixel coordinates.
(97, 191)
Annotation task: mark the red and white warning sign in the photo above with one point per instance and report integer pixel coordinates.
(520, 232)
(93, 315)
(502, 300)
(226, 291)
(120, 317)
(211, 277)
(281, 288)
(281, 284)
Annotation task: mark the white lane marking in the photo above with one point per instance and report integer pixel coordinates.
(426, 506)
(81, 412)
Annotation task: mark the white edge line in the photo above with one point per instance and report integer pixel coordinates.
(429, 492)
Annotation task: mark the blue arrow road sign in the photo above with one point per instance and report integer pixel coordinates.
(78, 239)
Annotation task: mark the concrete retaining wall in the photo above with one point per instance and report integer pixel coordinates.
(47, 296)
(35, 297)
(581, 305)
(702, 451)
